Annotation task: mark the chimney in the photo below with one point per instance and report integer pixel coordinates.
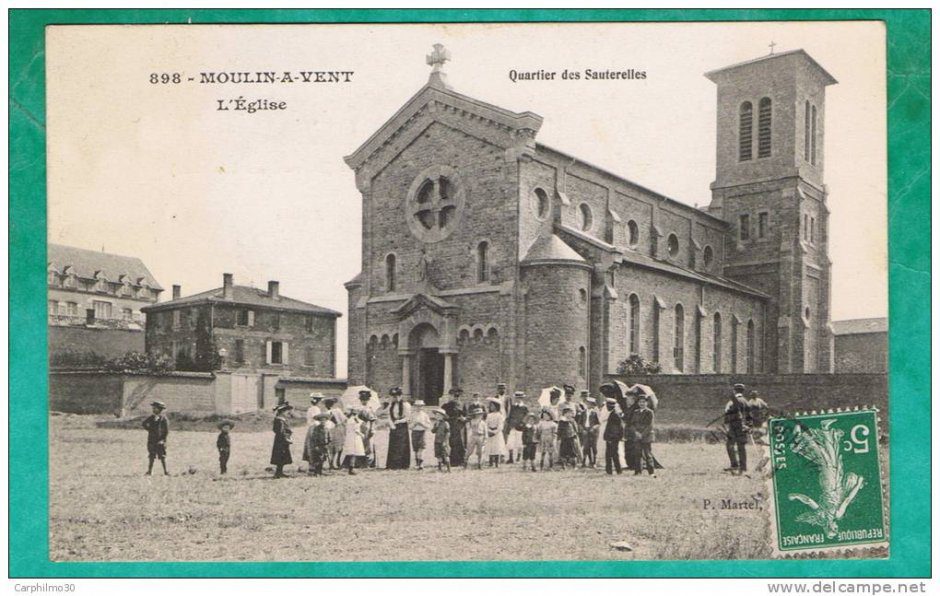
(228, 292)
(176, 291)
(89, 316)
(274, 289)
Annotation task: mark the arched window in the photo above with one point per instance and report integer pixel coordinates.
(587, 218)
(806, 132)
(678, 350)
(655, 330)
(708, 257)
(716, 340)
(634, 324)
(582, 295)
(672, 245)
(745, 126)
(582, 362)
(812, 136)
(764, 125)
(750, 347)
(633, 233)
(390, 273)
(540, 203)
(734, 344)
(483, 266)
(697, 341)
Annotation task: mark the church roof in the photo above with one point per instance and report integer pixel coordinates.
(436, 89)
(830, 80)
(551, 249)
(245, 296)
(86, 263)
(859, 326)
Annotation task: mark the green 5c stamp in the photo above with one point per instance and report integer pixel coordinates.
(826, 482)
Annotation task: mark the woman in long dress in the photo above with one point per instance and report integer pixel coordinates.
(280, 451)
(495, 439)
(399, 443)
(380, 437)
(353, 447)
(337, 435)
(458, 431)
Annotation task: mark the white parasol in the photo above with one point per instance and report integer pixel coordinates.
(350, 397)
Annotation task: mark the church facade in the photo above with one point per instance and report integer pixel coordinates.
(489, 257)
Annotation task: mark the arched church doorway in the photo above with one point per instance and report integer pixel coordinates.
(427, 368)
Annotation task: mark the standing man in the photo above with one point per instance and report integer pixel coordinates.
(515, 422)
(589, 423)
(736, 430)
(758, 411)
(613, 435)
(456, 417)
(157, 430)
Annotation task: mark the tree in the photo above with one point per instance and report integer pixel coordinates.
(136, 362)
(635, 365)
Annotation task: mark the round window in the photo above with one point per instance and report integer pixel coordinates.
(586, 217)
(435, 203)
(540, 203)
(708, 257)
(633, 233)
(672, 245)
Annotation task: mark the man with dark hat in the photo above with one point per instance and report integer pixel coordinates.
(280, 451)
(589, 422)
(457, 418)
(157, 428)
(613, 435)
(736, 417)
(224, 444)
(515, 422)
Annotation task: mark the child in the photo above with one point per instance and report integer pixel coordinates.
(495, 439)
(441, 432)
(545, 432)
(643, 425)
(157, 430)
(224, 444)
(353, 447)
(317, 444)
(476, 436)
(567, 438)
(529, 440)
(420, 424)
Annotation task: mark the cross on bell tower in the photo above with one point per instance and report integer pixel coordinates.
(772, 45)
(436, 60)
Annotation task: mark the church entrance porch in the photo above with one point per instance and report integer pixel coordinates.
(427, 365)
(429, 376)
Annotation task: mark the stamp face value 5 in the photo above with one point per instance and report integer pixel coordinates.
(826, 481)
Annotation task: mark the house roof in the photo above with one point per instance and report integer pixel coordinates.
(551, 248)
(860, 326)
(244, 296)
(634, 258)
(86, 264)
(800, 52)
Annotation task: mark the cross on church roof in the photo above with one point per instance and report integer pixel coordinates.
(771, 46)
(438, 57)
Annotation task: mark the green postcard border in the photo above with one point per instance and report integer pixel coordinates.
(908, 78)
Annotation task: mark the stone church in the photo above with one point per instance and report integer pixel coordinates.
(488, 256)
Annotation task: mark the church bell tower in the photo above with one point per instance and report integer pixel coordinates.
(769, 188)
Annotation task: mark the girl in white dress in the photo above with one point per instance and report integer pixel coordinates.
(353, 447)
(495, 439)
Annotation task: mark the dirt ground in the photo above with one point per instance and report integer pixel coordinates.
(102, 507)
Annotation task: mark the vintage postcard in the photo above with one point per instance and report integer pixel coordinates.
(568, 292)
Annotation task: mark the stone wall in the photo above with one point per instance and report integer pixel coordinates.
(861, 353)
(110, 343)
(698, 400)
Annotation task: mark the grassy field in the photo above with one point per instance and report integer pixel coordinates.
(102, 507)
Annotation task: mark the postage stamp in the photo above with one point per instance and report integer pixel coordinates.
(826, 482)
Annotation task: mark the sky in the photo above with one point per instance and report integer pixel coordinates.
(157, 171)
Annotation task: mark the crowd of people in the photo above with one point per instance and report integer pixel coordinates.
(569, 429)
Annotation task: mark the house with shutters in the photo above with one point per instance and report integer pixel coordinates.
(244, 329)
